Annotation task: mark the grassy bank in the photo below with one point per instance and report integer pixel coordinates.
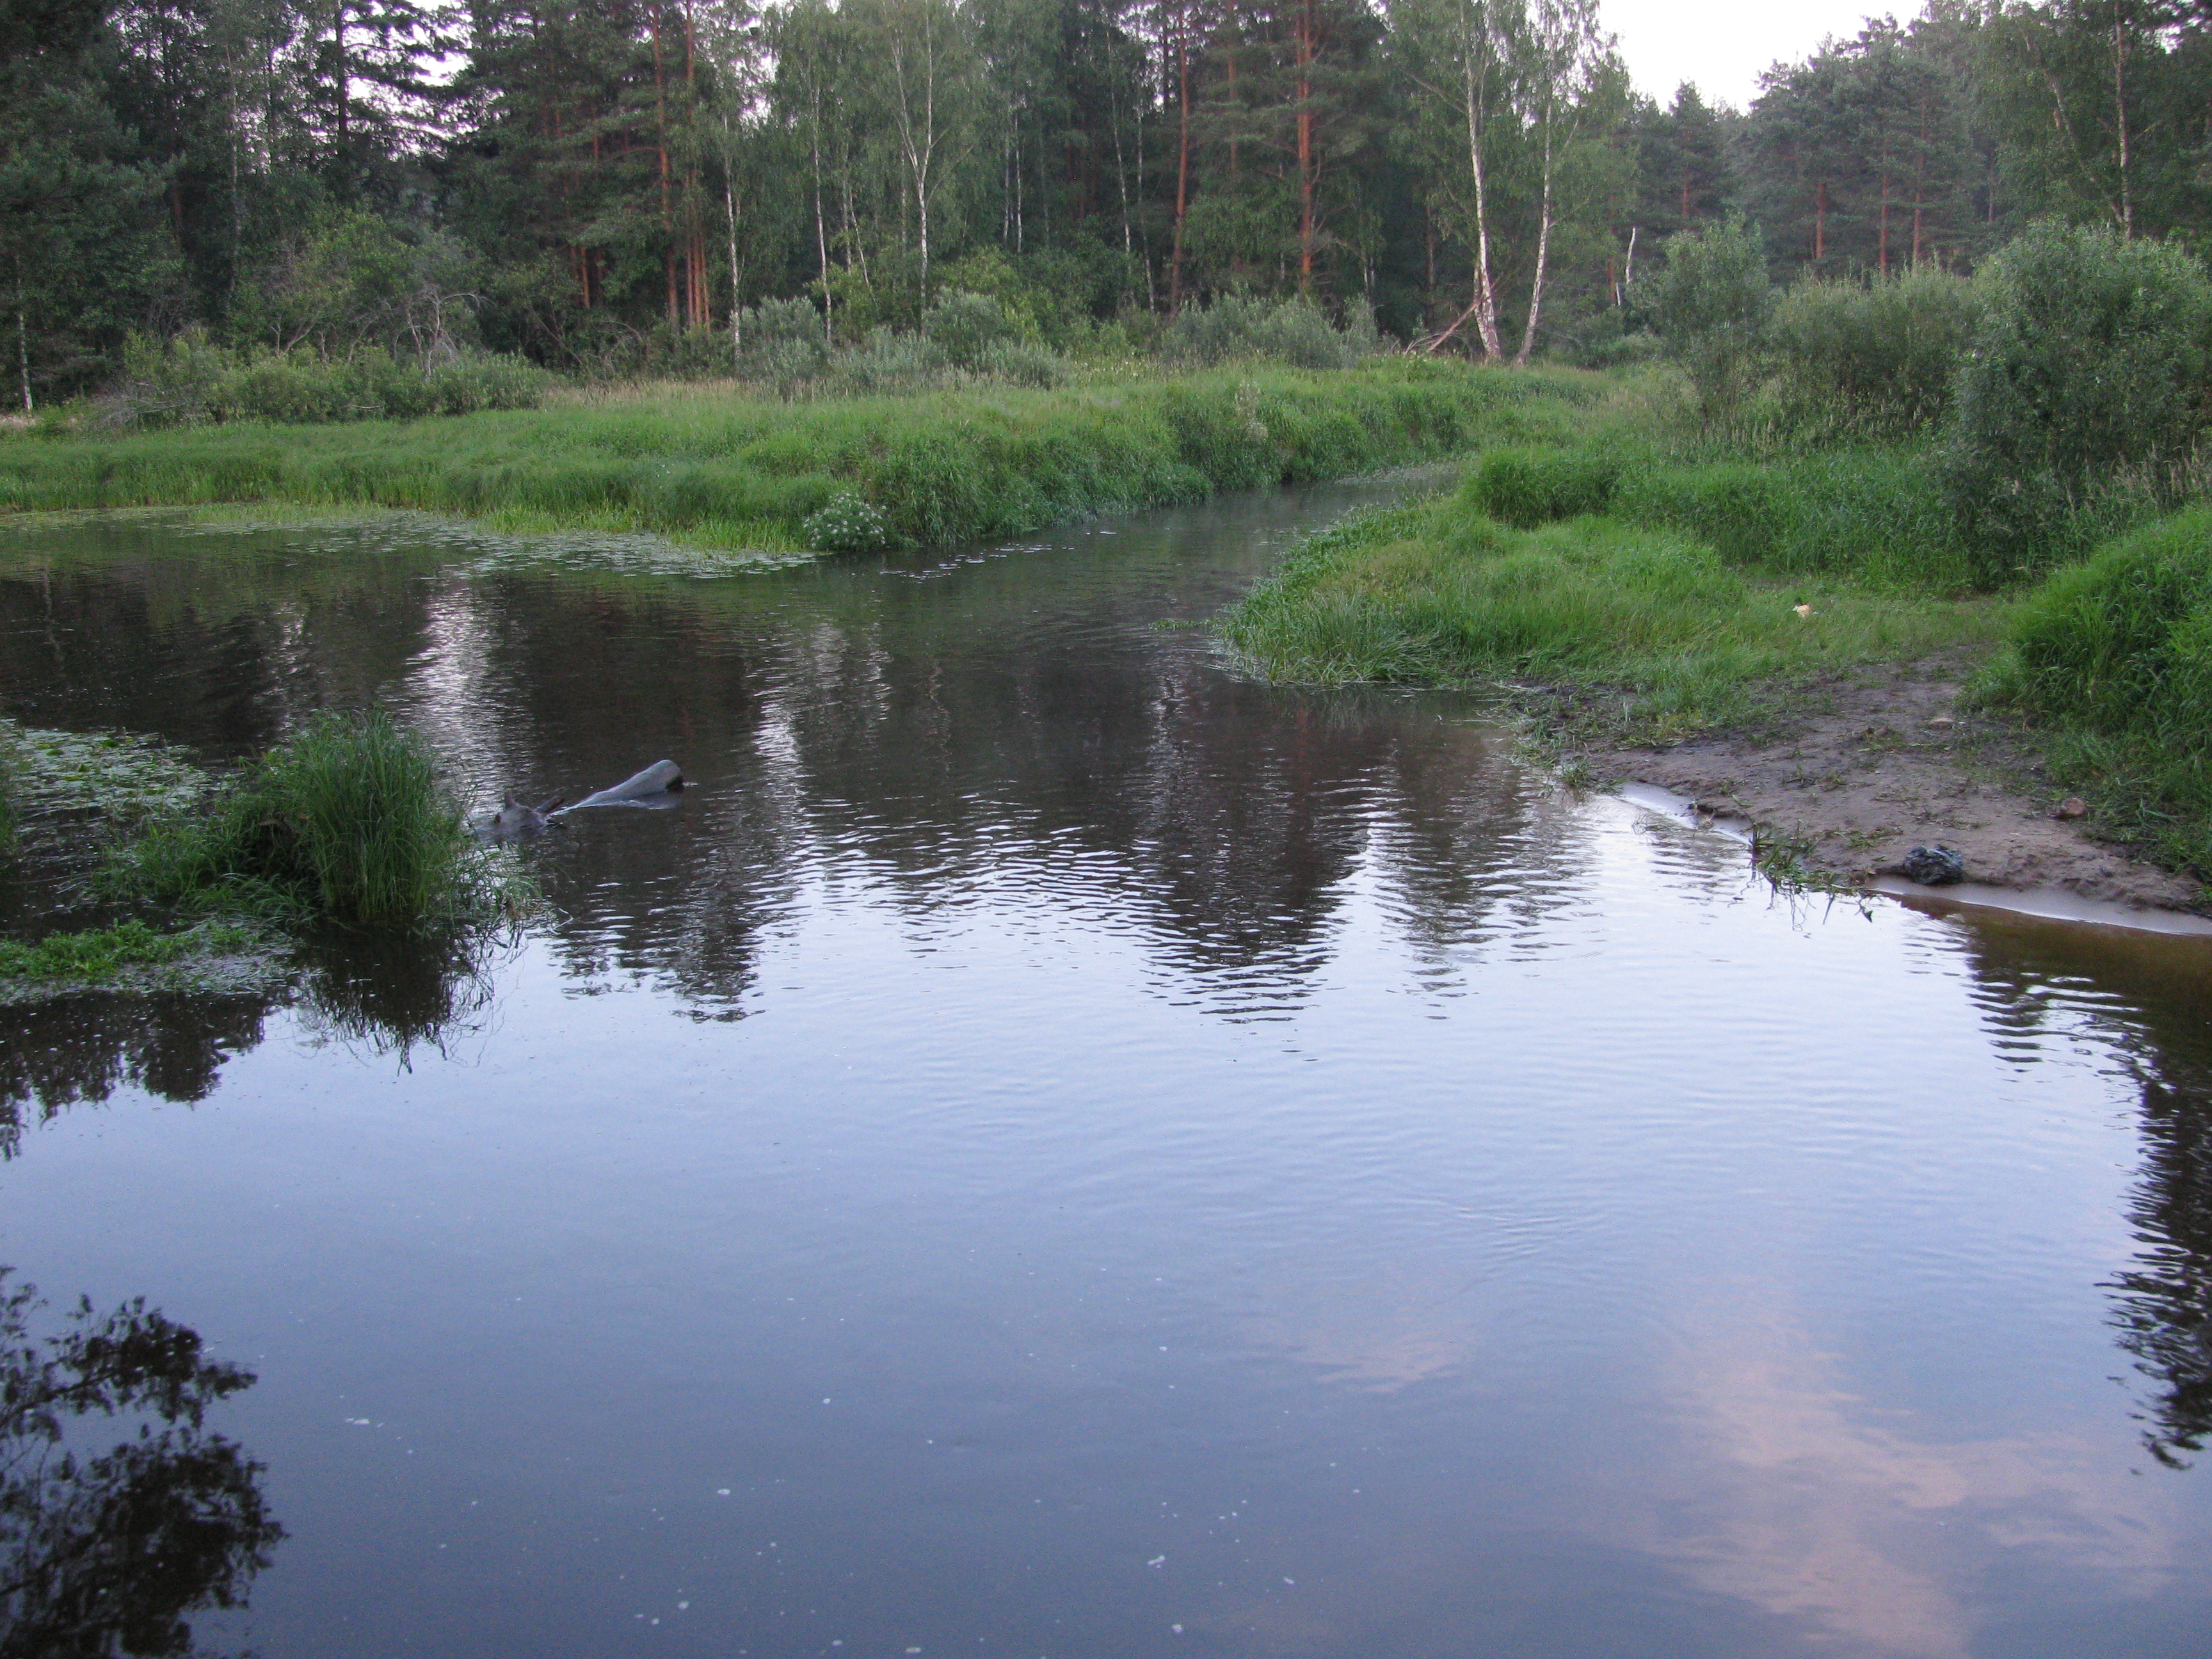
(740, 473)
(2114, 657)
(1693, 602)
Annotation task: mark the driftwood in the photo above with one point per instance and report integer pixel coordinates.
(515, 819)
(657, 786)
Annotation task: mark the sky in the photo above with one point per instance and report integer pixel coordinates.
(1723, 45)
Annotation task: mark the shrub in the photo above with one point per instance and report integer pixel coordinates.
(1876, 359)
(848, 524)
(782, 344)
(186, 381)
(887, 362)
(1293, 332)
(1017, 364)
(346, 821)
(2085, 383)
(1709, 305)
(1525, 488)
(964, 326)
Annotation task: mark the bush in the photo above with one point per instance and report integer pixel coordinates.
(964, 326)
(1710, 305)
(1293, 332)
(2084, 384)
(782, 345)
(1017, 364)
(1876, 359)
(186, 381)
(1524, 488)
(345, 822)
(848, 524)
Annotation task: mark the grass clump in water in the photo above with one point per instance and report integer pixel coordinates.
(347, 822)
(2116, 654)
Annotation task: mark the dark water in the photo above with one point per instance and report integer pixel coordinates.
(1057, 1149)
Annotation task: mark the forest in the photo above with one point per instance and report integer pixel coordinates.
(464, 196)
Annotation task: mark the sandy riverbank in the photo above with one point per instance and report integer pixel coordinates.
(1862, 767)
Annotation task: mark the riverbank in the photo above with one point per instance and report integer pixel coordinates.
(745, 474)
(1844, 719)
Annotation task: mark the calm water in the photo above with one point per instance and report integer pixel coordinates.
(1055, 1149)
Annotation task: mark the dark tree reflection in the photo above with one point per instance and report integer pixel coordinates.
(2163, 1302)
(2150, 996)
(106, 1553)
(59, 1052)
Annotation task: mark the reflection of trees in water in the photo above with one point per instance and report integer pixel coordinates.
(106, 1553)
(386, 996)
(219, 639)
(2163, 1302)
(64, 1051)
(2153, 997)
(1019, 726)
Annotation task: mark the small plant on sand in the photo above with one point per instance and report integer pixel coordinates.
(346, 823)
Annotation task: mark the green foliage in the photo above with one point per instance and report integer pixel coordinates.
(1524, 488)
(105, 954)
(1710, 305)
(346, 823)
(2084, 393)
(1442, 594)
(1878, 515)
(1234, 329)
(726, 472)
(2117, 651)
(964, 326)
(1873, 360)
(848, 524)
(187, 381)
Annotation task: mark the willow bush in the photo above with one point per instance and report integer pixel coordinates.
(2083, 395)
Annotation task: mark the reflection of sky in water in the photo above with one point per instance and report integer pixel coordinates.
(1184, 1154)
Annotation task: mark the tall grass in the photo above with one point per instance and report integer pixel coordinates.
(2116, 654)
(345, 822)
(739, 473)
(1879, 516)
(1444, 594)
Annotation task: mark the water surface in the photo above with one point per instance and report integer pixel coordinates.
(1057, 1148)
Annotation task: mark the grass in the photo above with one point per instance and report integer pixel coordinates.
(123, 952)
(125, 776)
(1681, 638)
(1878, 515)
(344, 823)
(2115, 655)
(743, 474)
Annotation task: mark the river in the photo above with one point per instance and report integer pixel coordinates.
(1057, 1148)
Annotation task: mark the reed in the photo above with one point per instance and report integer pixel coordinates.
(346, 823)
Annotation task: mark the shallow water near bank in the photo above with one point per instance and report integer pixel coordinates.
(1057, 1148)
